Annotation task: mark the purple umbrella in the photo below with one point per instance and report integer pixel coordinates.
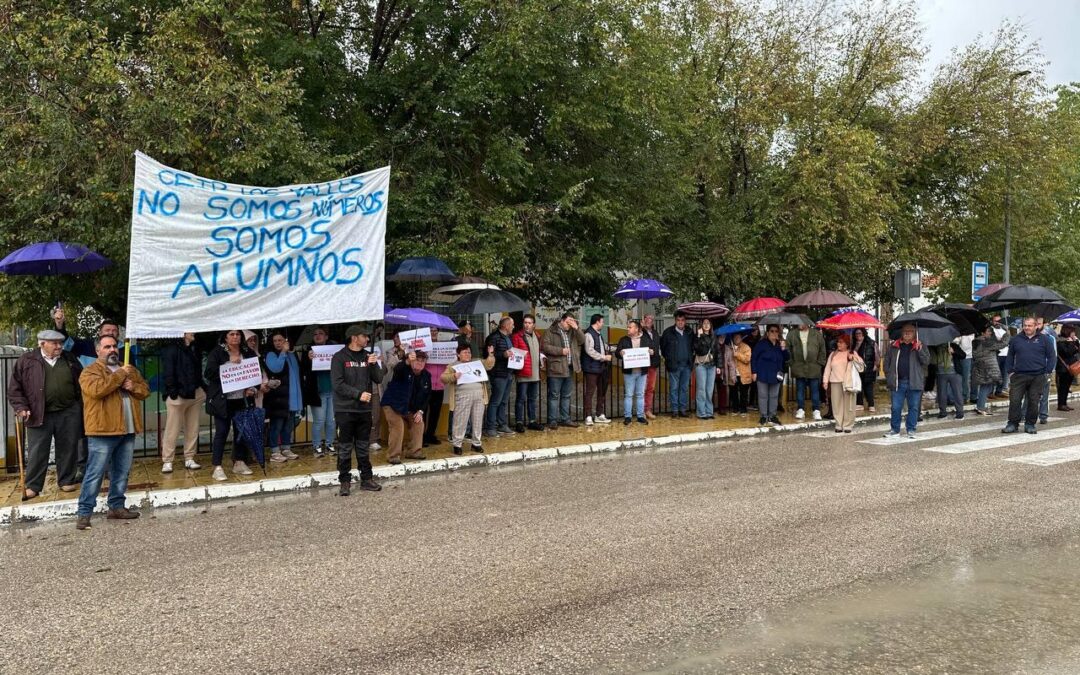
(643, 289)
(53, 257)
(423, 318)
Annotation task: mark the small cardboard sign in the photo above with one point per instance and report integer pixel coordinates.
(237, 376)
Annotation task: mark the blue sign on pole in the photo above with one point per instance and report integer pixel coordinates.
(980, 276)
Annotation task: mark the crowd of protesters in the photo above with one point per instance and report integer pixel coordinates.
(84, 407)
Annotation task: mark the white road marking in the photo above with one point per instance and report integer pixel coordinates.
(943, 433)
(1005, 440)
(1050, 457)
(880, 427)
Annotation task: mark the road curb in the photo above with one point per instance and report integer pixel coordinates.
(58, 510)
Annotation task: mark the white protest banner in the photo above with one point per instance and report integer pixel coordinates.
(515, 358)
(322, 355)
(412, 340)
(237, 376)
(473, 371)
(635, 358)
(208, 256)
(443, 353)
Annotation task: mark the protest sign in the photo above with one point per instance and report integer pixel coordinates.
(384, 347)
(322, 355)
(473, 371)
(635, 358)
(237, 376)
(207, 255)
(412, 340)
(515, 358)
(443, 353)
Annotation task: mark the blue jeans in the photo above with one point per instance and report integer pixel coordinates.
(530, 392)
(497, 414)
(634, 384)
(322, 421)
(984, 395)
(559, 390)
(913, 397)
(965, 381)
(814, 383)
(679, 389)
(705, 383)
(106, 452)
(280, 433)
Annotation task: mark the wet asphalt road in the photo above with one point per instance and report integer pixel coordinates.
(794, 553)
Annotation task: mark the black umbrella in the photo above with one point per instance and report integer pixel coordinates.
(785, 319)
(1015, 297)
(420, 269)
(931, 328)
(1049, 310)
(488, 301)
(968, 321)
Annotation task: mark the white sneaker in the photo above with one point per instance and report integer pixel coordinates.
(166, 467)
(219, 474)
(800, 413)
(602, 419)
(588, 421)
(374, 447)
(817, 415)
(278, 457)
(289, 454)
(911, 435)
(892, 434)
(858, 408)
(330, 448)
(192, 464)
(241, 468)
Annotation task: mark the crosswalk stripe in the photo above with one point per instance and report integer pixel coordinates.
(879, 427)
(1049, 457)
(1005, 441)
(943, 433)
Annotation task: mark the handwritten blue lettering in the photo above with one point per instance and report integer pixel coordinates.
(168, 204)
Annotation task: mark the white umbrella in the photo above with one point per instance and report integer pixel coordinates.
(464, 285)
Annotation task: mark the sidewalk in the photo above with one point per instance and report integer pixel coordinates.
(147, 486)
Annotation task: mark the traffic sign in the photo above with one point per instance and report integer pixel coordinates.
(980, 276)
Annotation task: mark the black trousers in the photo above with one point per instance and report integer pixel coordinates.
(65, 426)
(867, 393)
(1021, 385)
(740, 396)
(1064, 384)
(434, 412)
(353, 434)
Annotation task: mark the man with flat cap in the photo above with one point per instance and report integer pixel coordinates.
(44, 392)
(353, 371)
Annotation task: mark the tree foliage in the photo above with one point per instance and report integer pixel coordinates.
(730, 147)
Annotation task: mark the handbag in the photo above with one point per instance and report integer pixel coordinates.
(1073, 368)
(854, 383)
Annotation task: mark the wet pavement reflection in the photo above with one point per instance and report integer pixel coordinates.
(1012, 612)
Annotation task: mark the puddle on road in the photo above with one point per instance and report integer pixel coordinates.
(1010, 613)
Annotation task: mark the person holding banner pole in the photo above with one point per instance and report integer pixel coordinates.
(435, 401)
(353, 372)
(634, 379)
(528, 377)
(222, 406)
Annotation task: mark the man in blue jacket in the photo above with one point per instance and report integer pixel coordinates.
(1030, 362)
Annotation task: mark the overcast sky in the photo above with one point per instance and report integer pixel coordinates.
(1055, 24)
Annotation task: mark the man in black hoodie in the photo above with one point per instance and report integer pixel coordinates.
(353, 372)
(677, 348)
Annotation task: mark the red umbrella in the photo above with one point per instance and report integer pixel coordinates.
(758, 307)
(987, 290)
(821, 299)
(850, 320)
(704, 310)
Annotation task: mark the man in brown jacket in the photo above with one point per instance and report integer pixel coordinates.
(112, 417)
(44, 392)
(562, 346)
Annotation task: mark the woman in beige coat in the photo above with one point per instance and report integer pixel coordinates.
(838, 380)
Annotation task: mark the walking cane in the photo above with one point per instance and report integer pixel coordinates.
(19, 435)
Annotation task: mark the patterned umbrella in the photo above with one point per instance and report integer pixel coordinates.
(249, 426)
(704, 310)
(850, 320)
(1072, 317)
(643, 289)
(820, 298)
(757, 308)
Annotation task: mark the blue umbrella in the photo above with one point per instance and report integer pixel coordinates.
(249, 427)
(420, 269)
(732, 328)
(53, 257)
(643, 289)
(1069, 317)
